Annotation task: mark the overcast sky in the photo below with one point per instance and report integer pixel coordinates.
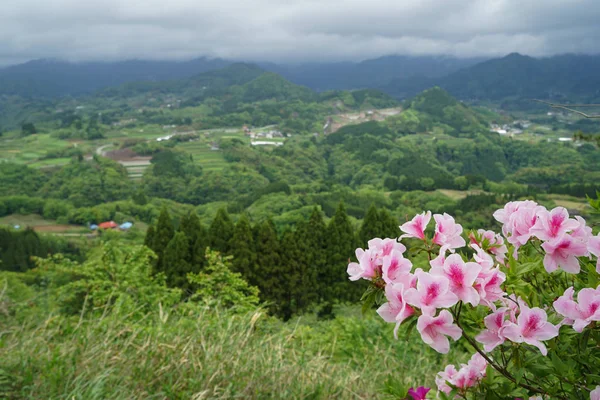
(293, 30)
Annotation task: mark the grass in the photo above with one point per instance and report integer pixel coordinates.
(213, 354)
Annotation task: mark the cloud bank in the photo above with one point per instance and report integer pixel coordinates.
(293, 30)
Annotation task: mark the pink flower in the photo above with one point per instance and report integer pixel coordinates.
(395, 310)
(595, 394)
(468, 375)
(431, 292)
(532, 327)
(434, 330)
(582, 314)
(491, 242)
(482, 258)
(419, 394)
(553, 224)
(438, 262)
(489, 286)
(365, 268)
(384, 247)
(447, 232)
(518, 217)
(447, 375)
(563, 252)
(395, 265)
(415, 228)
(492, 336)
(461, 276)
(594, 248)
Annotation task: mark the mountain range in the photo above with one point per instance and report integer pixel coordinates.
(509, 79)
(54, 78)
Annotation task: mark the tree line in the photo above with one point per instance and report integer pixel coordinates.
(294, 271)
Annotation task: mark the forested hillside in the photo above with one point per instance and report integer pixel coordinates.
(226, 207)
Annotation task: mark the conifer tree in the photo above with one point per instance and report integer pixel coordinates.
(220, 232)
(341, 243)
(242, 249)
(378, 224)
(162, 234)
(193, 229)
(293, 262)
(267, 269)
(174, 263)
(301, 258)
(150, 237)
(371, 226)
(390, 227)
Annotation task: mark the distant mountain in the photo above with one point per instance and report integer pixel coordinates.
(514, 77)
(370, 73)
(51, 78)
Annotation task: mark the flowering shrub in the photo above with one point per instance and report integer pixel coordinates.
(526, 302)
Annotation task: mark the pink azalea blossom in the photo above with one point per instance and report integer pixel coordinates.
(489, 286)
(553, 224)
(447, 232)
(442, 378)
(595, 394)
(594, 248)
(434, 330)
(384, 247)
(415, 228)
(492, 243)
(394, 266)
(395, 310)
(431, 292)
(492, 336)
(467, 376)
(532, 327)
(582, 232)
(482, 258)
(580, 313)
(365, 268)
(461, 276)
(563, 252)
(419, 394)
(518, 217)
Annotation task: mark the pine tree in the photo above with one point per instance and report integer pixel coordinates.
(196, 234)
(309, 238)
(220, 232)
(174, 263)
(371, 226)
(242, 249)
(301, 256)
(341, 243)
(150, 237)
(390, 227)
(162, 234)
(267, 269)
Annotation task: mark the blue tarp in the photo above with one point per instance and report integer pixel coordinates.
(93, 227)
(126, 225)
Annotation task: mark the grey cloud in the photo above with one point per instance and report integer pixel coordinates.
(293, 30)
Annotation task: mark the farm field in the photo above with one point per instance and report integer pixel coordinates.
(39, 224)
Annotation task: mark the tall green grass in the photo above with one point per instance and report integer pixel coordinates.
(206, 354)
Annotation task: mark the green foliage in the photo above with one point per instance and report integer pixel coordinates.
(340, 241)
(220, 232)
(113, 276)
(175, 263)
(162, 235)
(243, 250)
(218, 284)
